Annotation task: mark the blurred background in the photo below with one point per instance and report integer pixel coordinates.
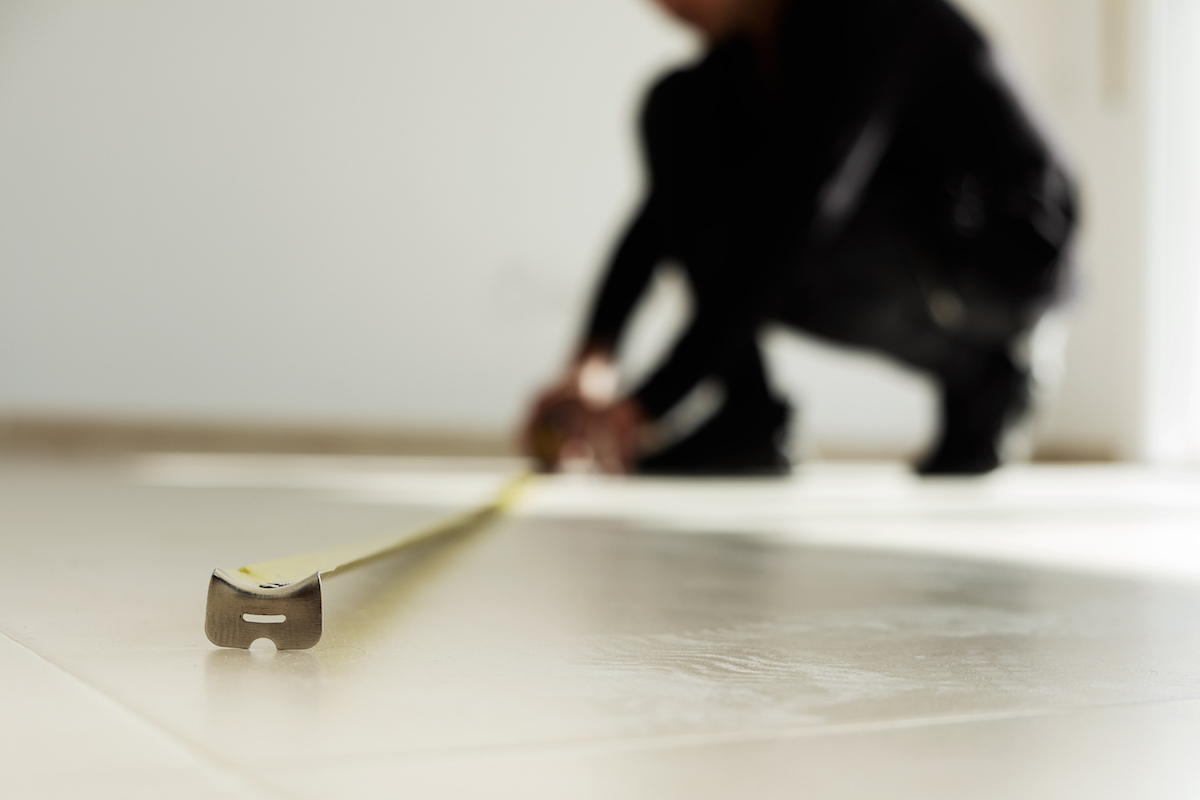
(373, 226)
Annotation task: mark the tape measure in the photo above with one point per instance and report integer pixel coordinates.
(280, 600)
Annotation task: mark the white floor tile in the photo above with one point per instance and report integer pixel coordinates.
(63, 739)
(639, 638)
(1144, 751)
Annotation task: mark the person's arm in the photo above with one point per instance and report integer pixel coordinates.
(645, 242)
(629, 272)
(713, 335)
(580, 414)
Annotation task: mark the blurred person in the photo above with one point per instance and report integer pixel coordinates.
(854, 169)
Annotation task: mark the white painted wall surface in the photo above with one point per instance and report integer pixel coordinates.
(333, 211)
(393, 212)
(1171, 411)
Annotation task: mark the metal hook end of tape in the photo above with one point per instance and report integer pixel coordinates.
(231, 599)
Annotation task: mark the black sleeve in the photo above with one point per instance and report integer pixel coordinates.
(644, 243)
(715, 333)
(629, 272)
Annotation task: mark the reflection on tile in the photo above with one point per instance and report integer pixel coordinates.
(1119, 518)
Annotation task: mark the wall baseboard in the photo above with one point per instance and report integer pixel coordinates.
(53, 435)
(1074, 453)
(30, 434)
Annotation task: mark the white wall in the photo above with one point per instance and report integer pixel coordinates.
(1171, 383)
(333, 211)
(392, 212)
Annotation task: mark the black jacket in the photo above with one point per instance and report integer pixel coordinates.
(752, 169)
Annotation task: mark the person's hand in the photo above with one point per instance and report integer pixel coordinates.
(554, 427)
(614, 434)
(577, 422)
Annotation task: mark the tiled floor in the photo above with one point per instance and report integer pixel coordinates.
(850, 632)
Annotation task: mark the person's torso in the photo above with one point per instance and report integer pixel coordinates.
(739, 154)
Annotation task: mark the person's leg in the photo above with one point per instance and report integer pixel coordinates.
(976, 409)
(875, 289)
(746, 435)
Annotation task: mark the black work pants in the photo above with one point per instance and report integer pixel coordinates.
(878, 287)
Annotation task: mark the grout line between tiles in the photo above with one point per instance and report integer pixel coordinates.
(231, 779)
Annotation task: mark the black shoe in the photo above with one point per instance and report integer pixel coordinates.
(975, 415)
(740, 440)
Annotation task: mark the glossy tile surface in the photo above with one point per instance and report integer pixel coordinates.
(61, 738)
(1033, 634)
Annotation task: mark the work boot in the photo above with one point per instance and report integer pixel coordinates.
(976, 412)
(744, 438)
